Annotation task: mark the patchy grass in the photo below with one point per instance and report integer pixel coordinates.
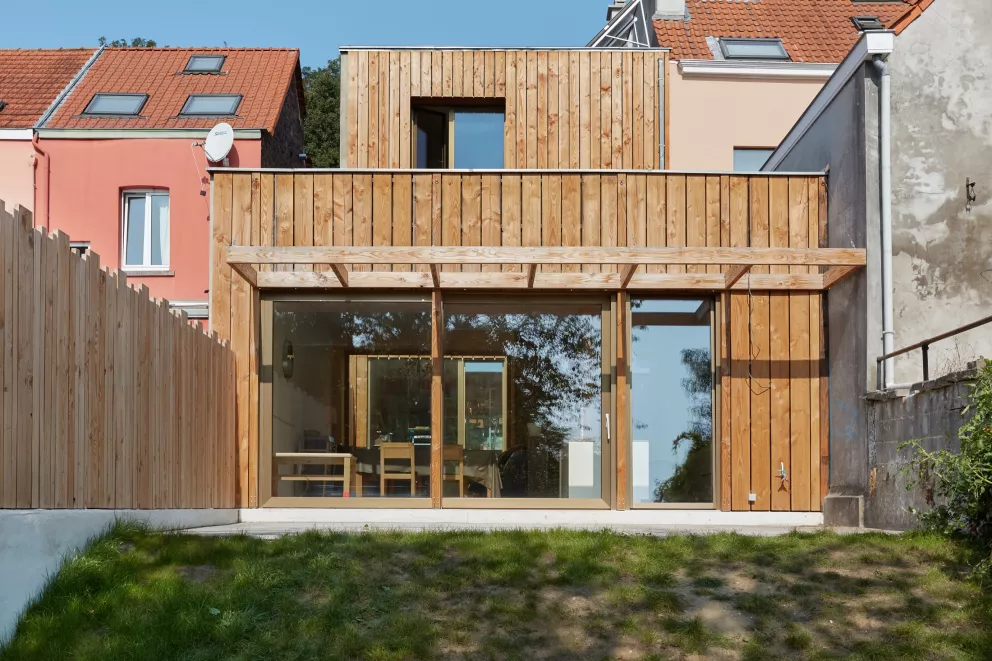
(509, 595)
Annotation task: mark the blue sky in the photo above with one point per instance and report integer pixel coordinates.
(317, 28)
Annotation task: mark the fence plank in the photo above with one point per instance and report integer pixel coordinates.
(24, 348)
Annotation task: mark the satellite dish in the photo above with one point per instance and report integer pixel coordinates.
(219, 142)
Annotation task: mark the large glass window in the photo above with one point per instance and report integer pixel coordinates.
(350, 399)
(671, 380)
(464, 138)
(524, 400)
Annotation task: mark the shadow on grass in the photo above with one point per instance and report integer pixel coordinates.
(508, 595)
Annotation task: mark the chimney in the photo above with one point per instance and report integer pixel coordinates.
(615, 9)
(670, 10)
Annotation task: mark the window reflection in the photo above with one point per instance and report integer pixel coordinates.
(671, 399)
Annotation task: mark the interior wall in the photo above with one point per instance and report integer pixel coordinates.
(773, 374)
(564, 109)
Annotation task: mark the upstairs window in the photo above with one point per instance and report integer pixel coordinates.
(116, 105)
(205, 64)
(211, 105)
(863, 23)
(753, 49)
(464, 138)
(145, 233)
(750, 159)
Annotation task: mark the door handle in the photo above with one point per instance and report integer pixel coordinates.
(608, 428)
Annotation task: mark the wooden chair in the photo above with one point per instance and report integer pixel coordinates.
(454, 452)
(402, 451)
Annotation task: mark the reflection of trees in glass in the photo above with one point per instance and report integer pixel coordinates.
(692, 480)
(555, 370)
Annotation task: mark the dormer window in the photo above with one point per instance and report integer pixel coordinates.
(863, 23)
(205, 64)
(211, 105)
(753, 49)
(115, 105)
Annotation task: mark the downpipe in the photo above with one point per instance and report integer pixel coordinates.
(885, 186)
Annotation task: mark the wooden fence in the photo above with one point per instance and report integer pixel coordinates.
(110, 400)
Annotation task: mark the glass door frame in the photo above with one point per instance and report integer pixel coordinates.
(716, 360)
(265, 393)
(608, 465)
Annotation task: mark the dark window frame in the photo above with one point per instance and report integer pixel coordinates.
(189, 99)
(867, 23)
(95, 113)
(448, 108)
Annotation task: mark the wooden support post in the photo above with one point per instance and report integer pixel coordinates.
(735, 273)
(436, 275)
(341, 274)
(531, 274)
(627, 274)
(623, 402)
(836, 274)
(437, 401)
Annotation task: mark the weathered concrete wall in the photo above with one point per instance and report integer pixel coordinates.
(837, 140)
(942, 134)
(930, 412)
(33, 544)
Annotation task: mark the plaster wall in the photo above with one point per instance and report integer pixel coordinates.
(709, 117)
(17, 174)
(837, 140)
(34, 543)
(87, 180)
(942, 134)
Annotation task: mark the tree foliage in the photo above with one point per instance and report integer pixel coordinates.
(958, 485)
(137, 42)
(693, 478)
(322, 89)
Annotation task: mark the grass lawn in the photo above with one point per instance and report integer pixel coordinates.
(509, 595)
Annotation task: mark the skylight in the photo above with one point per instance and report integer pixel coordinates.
(753, 49)
(205, 64)
(210, 105)
(116, 105)
(867, 23)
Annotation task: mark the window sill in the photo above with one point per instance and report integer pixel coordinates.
(147, 273)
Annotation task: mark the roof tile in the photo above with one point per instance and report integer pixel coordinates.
(810, 30)
(261, 76)
(30, 80)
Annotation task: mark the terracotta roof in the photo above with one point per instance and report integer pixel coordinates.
(30, 80)
(810, 30)
(261, 75)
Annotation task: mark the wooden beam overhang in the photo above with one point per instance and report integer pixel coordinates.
(839, 262)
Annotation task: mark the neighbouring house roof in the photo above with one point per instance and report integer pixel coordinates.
(31, 80)
(262, 76)
(810, 30)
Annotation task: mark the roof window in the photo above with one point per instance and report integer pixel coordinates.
(210, 105)
(863, 23)
(3, 104)
(753, 49)
(116, 105)
(205, 64)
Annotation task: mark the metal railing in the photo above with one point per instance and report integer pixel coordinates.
(925, 347)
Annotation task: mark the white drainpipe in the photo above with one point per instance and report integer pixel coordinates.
(885, 165)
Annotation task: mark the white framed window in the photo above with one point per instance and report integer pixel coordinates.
(145, 230)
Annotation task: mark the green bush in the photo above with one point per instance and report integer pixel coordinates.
(958, 486)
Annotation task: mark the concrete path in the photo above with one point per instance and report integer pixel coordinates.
(271, 530)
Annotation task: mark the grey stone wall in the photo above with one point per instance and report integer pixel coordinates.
(283, 148)
(930, 412)
(942, 135)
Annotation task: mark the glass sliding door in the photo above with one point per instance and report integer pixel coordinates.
(671, 383)
(526, 385)
(346, 400)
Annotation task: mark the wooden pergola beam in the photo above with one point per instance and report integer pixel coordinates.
(341, 273)
(735, 273)
(627, 274)
(248, 272)
(436, 275)
(533, 279)
(388, 255)
(836, 274)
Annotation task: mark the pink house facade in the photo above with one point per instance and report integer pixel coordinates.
(115, 159)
